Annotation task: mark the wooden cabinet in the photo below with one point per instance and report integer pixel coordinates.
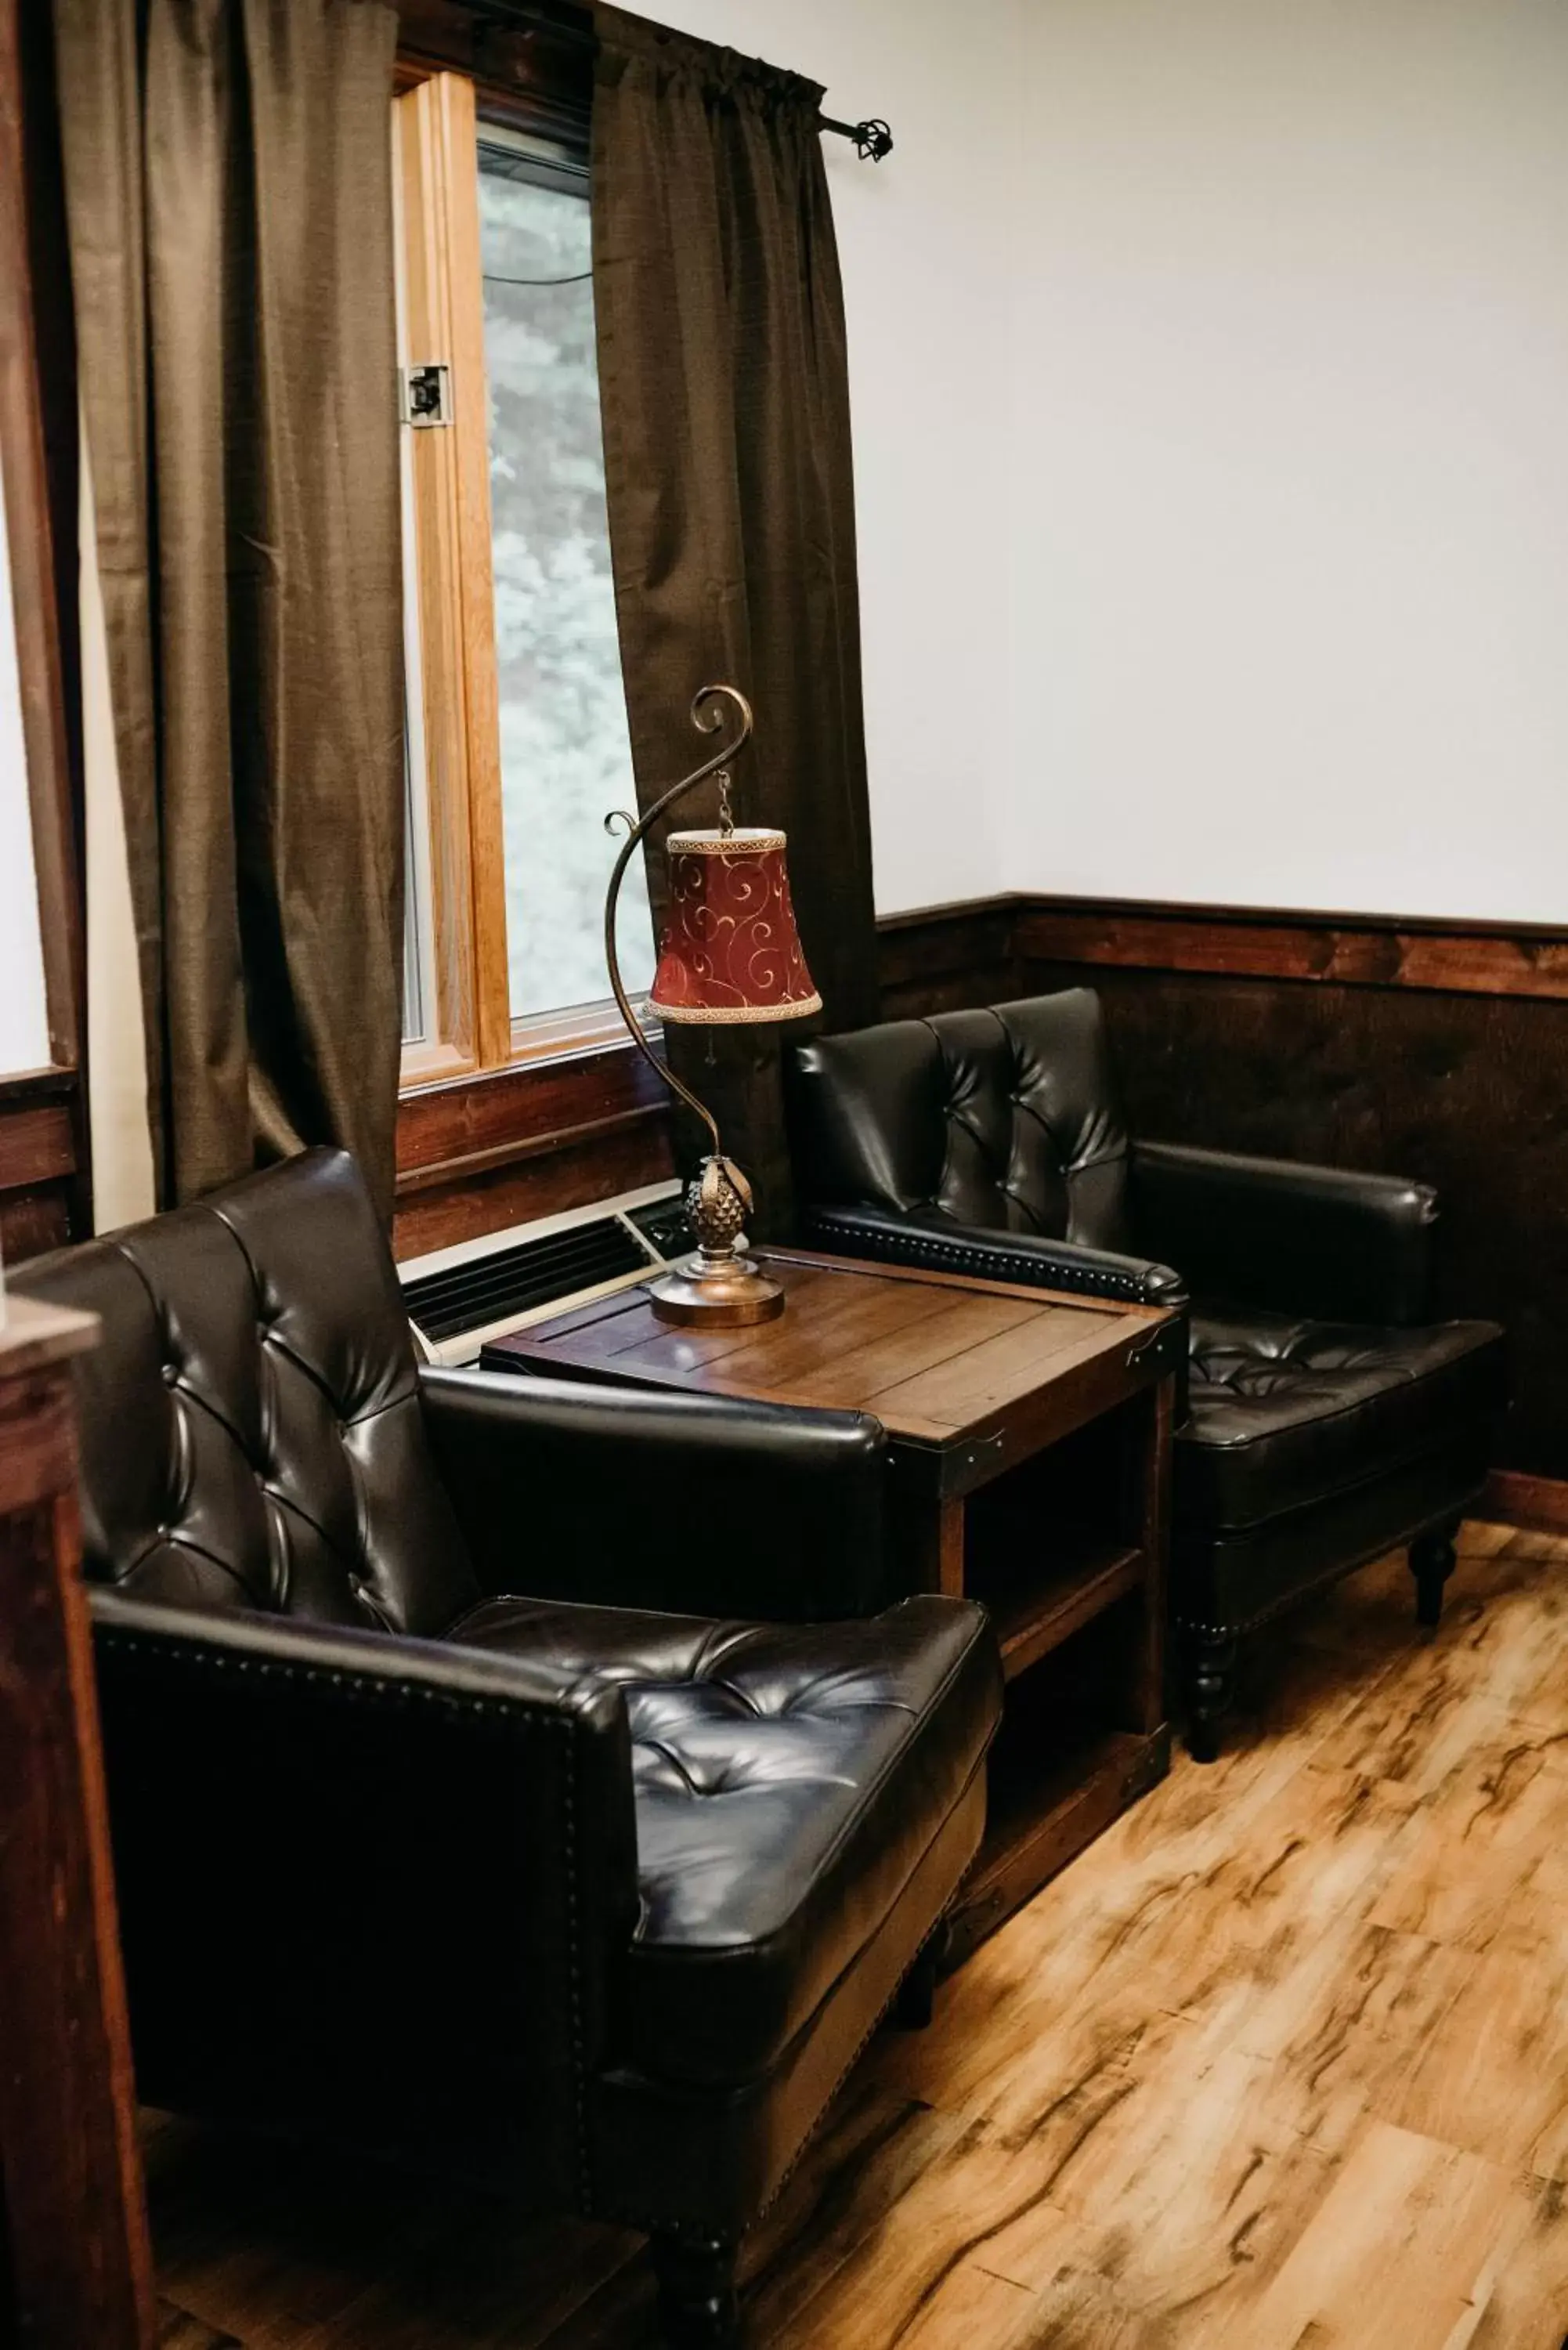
(75, 2270)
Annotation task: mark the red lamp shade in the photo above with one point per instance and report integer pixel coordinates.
(730, 952)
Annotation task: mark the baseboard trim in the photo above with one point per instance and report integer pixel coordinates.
(1541, 1503)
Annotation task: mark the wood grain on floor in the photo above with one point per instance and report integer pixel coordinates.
(1279, 2063)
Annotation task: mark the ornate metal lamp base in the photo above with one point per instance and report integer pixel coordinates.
(717, 1292)
(721, 1288)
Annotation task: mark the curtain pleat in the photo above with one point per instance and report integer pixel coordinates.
(227, 169)
(725, 387)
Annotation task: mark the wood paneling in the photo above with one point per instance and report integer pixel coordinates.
(41, 1204)
(1328, 947)
(32, 1222)
(948, 956)
(594, 1168)
(1436, 1051)
(476, 1154)
(445, 1125)
(1277, 2065)
(35, 1144)
(40, 1197)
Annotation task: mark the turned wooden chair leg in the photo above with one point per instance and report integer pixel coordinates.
(1210, 1672)
(1431, 1563)
(699, 2308)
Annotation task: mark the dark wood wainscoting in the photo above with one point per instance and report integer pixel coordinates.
(479, 1153)
(1439, 1051)
(949, 956)
(41, 1202)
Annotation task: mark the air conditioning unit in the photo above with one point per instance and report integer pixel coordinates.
(459, 1298)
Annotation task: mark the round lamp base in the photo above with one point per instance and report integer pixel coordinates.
(719, 1294)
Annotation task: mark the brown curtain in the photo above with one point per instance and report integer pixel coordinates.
(726, 396)
(227, 169)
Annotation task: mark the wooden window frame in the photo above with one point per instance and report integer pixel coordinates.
(36, 481)
(438, 108)
(45, 1193)
(435, 130)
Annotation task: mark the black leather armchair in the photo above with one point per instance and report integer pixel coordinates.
(1326, 1421)
(598, 1899)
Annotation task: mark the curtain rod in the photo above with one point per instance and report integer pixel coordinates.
(570, 21)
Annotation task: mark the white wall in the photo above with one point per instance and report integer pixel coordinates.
(923, 239)
(1210, 369)
(23, 1022)
(1292, 551)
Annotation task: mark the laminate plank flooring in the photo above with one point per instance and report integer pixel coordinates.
(1279, 2063)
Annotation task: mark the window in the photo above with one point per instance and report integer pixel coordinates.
(517, 734)
(566, 757)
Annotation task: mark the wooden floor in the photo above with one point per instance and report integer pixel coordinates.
(1280, 2064)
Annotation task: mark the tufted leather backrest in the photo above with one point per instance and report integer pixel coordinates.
(1007, 1119)
(250, 1432)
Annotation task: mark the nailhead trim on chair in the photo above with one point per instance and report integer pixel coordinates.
(969, 1256)
(645, 2221)
(1305, 1591)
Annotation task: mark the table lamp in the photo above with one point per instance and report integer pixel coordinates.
(730, 955)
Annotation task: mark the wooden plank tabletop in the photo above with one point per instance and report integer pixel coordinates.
(932, 1356)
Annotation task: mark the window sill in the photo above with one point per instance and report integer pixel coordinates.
(432, 1065)
(544, 1040)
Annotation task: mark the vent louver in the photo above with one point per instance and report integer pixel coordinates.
(515, 1279)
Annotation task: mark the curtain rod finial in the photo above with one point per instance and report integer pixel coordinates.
(872, 138)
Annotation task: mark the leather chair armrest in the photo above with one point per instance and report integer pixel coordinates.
(363, 1879)
(944, 1247)
(704, 1505)
(1287, 1237)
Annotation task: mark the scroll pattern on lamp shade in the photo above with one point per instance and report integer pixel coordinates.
(731, 951)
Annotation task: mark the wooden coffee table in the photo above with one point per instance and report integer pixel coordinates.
(1030, 1448)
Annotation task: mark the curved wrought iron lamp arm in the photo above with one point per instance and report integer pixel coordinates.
(707, 715)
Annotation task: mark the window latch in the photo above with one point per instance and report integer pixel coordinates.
(424, 394)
